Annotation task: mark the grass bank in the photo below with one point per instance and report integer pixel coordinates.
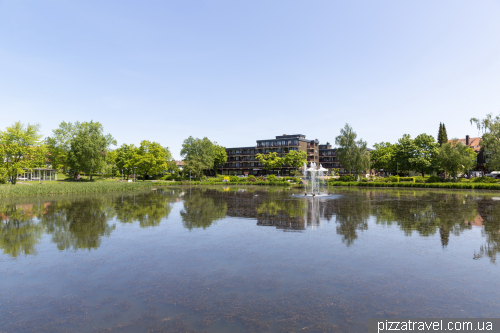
(477, 186)
(64, 187)
(27, 189)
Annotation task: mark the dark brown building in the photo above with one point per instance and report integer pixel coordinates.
(242, 160)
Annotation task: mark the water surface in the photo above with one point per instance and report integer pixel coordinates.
(246, 259)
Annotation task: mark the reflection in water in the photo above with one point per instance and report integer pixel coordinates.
(202, 208)
(78, 222)
(19, 232)
(81, 222)
(373, 253)
(149, 210)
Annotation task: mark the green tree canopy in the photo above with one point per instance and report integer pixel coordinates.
(19, 146)
(295, 158)
(271, 161)
(59, 144)
(404, 152)
(383, 156)
(198, 155)
(353, 155)
(490, 140)
(220, 156)
(151, 158)
(425, 152)
(125, 158)
(88, 148)
(455, 157)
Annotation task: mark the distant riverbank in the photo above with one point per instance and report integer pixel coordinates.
(63, 187)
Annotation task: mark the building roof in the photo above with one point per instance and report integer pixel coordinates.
(179, 163)
(473, 143)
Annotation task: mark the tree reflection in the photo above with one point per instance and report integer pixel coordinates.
(489, 211)
(79, 224)
(278, 210)
(148, 209)
(201, 209)
(426, 214)
(19, 232)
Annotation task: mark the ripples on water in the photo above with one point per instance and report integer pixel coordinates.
(247, 259)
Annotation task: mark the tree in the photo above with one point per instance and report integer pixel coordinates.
(425, 151)
(111, 162)
(353, 155)
(442, 135)
(19, 144)
(404, 152)
(88, 148)
(151, 159)
(125, 158)
(295, 158)
(445, 135)
(198, 155)
(271, 161)
(490, 140)
(59, 144)
(220, 156)
(383, 156)
(455, 157)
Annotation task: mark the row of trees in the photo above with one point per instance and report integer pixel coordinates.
(424, 155)
(75, 148)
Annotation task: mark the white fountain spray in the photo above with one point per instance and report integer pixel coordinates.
(313, 178)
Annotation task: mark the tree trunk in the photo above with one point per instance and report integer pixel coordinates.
(144, 177)
(13, 180)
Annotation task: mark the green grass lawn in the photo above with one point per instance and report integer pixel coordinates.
(66, 187)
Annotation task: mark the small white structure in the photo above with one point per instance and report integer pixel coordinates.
(38, 174)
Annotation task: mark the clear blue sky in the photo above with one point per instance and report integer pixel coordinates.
(237, 71)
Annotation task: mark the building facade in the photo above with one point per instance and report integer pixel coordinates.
(243, 160)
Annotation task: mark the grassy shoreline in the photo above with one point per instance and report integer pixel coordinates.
(21, 190)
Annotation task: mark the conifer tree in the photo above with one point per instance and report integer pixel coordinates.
(445, 135)
(440, 134)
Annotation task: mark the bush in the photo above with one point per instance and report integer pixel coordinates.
(271, 178)
(484, 180)
(251, 178)
(346, 178)
(434, 179)
(234, 179)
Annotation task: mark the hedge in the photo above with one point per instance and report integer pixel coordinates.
(481, 186)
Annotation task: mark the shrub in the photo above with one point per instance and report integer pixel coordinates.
(346, 178)
(393, 179)
(234, 179)
(271, 178)
(434, 179)
(484, 180)
(251, 178)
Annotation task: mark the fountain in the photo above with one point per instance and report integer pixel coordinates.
(313, 178)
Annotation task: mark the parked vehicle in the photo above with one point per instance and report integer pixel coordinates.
(494, 174)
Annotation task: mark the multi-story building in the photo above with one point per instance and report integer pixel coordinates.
(243, 161)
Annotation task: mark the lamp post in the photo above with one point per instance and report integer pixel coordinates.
(122, 174)
(134, 173)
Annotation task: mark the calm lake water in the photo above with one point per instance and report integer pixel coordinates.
(246, 259)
